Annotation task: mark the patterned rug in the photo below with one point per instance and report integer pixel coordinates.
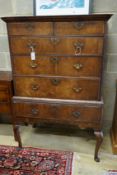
(34, 161)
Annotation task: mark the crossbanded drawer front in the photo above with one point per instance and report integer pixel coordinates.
(54, 87)
(30, 28)
(3, 87)
(5, 108)
(69, 113)
(4, 97)
(57, 45)
(55, 65)
(79, 28)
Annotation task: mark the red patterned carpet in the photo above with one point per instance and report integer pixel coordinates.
(34, 161)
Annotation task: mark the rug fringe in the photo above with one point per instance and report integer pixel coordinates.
(75, 164)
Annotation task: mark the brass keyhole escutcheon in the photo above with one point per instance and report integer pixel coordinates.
(35, 111)
(54, 60)
(55, 81)
(76, 114)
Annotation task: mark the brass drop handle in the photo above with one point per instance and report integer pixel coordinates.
(32, 53)
(78, 66)
(76, 114)
(35, 87)
(55, 81)
(35, 111)
(33, 65)
(32, 46)
(77, 90)
(78, 48)
(79, 25)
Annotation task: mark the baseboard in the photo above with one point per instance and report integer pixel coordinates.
(114, 143)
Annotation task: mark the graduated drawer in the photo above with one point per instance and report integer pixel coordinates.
(55, 65)
(57, 45)
(79, 28)
(58, 111)
(30, 28)
(4, 96)
(4, 93)
(5, 108)
(57, 87)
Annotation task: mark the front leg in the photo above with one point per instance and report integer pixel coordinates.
(99, 140)
(17, 135)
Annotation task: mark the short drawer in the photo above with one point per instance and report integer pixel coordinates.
(64, 112)
(57, 87)
(79, 28)
(57, 45)
(56, 65)
(30, 28)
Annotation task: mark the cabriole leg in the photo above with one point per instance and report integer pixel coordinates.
(99, 140)
(17, 135)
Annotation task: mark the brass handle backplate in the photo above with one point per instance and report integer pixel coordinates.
(79, 25)
(78, 66)
(54, 40)
(55, 81)
(35, 87)
(29, 26)
(78, 48)
(31, 45)
(76, 114)
(33, 65)
(35, 111)
(77, 90)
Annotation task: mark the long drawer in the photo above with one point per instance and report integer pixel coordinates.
(4, 96)
(5, 108)
(4, 93)
(59, 28)
(56, 65)
(57, 87)
(61, 111)
(57, 45)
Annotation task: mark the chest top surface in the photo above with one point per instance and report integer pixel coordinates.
(97, 17)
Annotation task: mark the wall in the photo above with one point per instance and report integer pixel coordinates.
(24, 7)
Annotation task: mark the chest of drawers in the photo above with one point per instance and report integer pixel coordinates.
(57, 70)
(6, 92)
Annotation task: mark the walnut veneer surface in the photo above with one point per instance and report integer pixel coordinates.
(6, 91)
(63, 83)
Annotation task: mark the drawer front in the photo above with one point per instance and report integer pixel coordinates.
(79, 28)
(4, 96)
(54, 65)
(31, 28)
(5, 108)
(58, 112)
(64, 88)
(57, 45)
(3, 87)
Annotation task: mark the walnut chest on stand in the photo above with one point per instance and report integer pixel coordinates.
(57, 70)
